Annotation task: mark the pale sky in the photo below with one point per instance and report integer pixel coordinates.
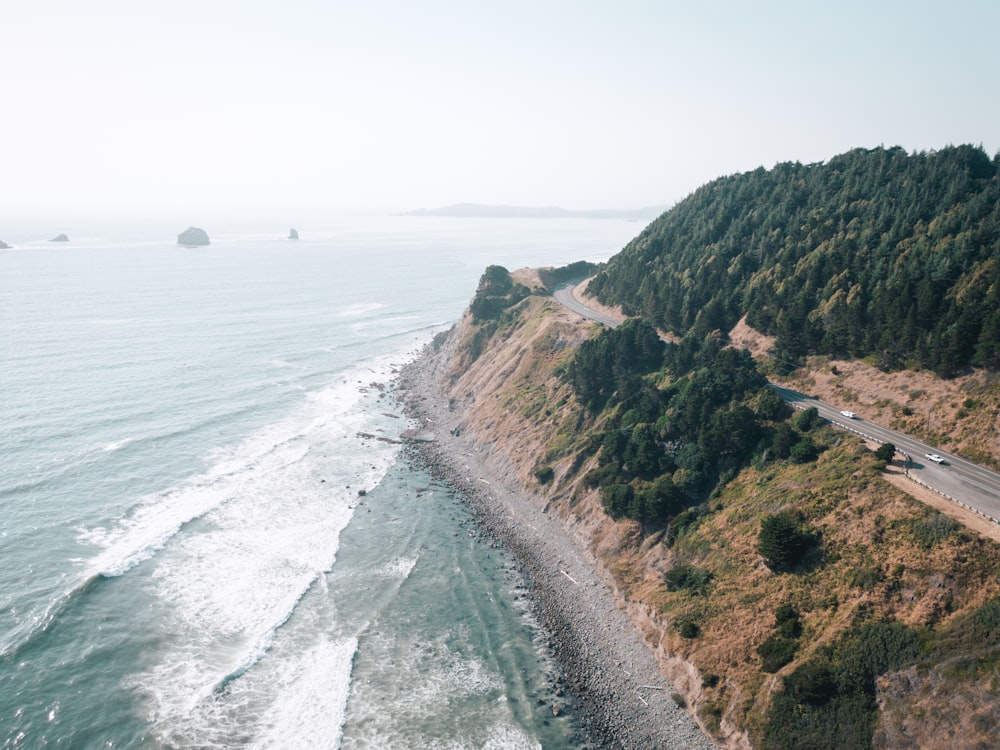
(120, 105)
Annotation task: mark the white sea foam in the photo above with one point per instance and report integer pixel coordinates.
(312, 700)
(156, 519)
(118, 444)
(428, 680)
(284, 363)
(269, 517)
(364, 308)
(400, 567)
(506, 736)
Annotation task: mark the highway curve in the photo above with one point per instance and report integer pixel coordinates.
(969, 484)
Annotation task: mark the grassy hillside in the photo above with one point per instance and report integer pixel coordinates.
(797, 600)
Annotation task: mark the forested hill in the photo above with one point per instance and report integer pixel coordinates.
(874, 252)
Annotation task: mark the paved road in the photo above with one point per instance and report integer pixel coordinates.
(957, 478)
(961, 480)
(564, 295)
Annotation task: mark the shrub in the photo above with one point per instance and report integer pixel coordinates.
(867, 575)
(496, 292)
(804, 451)
(687, 578)
(885, 452)
(553, 277)
(544, 474)
(684, 521)
(806, 419)
(828, 703)
(782, 542)
(602, 476)
(813, 683)
(617, 499)
(871, 650)
(786, 617)
(776, 652)
(688, 629)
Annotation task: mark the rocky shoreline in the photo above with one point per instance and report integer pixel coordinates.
(608, 674)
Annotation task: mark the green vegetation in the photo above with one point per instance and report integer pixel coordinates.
(688, 578)
(742, 510)
(885, 452)
(829, 701)
(496, 293)
(875, 252)
(783, 542)
(776, 652)
(933, 529)
(678, 422)
(688, 628)
(612, 363)
(553, 277)
(780, 648)
(544, 474)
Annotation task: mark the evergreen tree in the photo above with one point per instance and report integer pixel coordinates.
(874, 252)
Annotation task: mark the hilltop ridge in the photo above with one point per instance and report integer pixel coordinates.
(875, 252)
(795, 591)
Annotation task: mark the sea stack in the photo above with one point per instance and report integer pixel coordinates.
(193, 237)
(60, 238)
(293, 234)
(4, 245)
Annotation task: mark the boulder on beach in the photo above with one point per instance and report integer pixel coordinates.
(293, 234)
(60, 238)
(193, 237)
(418, 435)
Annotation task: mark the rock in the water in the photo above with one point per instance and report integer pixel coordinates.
(4, 245)
(60, 238)
(193, 237)
(293, 234)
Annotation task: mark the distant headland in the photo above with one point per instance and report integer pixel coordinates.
(536, 212)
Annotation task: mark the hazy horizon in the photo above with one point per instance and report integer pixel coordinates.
(216, 106)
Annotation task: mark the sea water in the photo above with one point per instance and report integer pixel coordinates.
(209, 534)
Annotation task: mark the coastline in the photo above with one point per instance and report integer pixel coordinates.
(618, 694)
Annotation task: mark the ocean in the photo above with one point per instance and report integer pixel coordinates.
(210, 536)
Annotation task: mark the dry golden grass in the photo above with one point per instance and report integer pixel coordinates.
(874, 562)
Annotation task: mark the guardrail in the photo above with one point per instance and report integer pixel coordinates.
(906, 466)
(906, 472)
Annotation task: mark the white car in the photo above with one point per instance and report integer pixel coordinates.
(934, 457)
(849, 414)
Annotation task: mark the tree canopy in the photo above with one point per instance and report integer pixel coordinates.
(875, 252)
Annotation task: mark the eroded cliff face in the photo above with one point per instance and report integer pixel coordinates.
(511, 402)
(508, 401)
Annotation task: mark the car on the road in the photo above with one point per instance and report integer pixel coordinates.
(934, 457)
(849, 414)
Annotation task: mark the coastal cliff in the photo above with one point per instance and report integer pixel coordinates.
(487, 415)
(463, 414)
(856, 642)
